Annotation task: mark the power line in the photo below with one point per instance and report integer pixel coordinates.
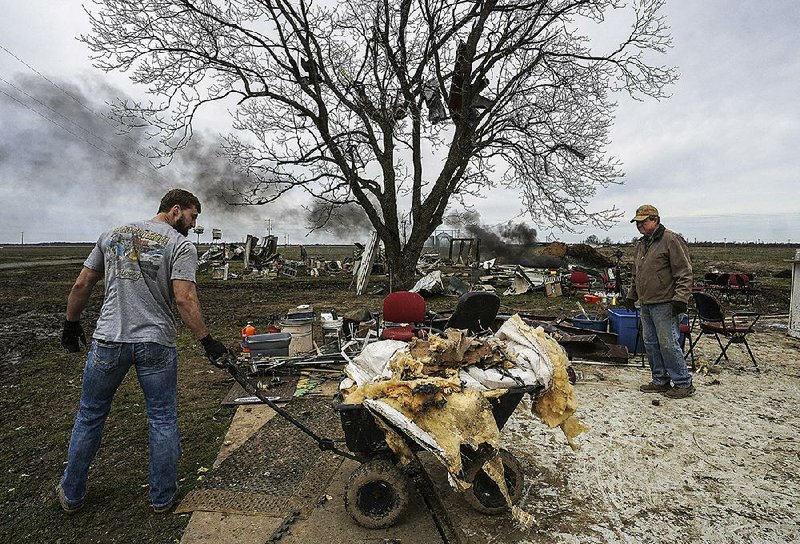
(86, 130)
(84, 106)
(62, 127)
(63, 90)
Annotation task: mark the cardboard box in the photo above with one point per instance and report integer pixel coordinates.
(552, 289)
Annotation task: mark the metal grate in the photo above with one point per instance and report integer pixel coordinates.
(276, 471)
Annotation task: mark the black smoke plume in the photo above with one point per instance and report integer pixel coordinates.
(58, 146)
(511, 243)
(347, 221)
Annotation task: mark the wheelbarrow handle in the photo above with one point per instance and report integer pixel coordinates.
(324, 444)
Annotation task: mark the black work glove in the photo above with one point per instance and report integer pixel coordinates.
(216, 351)
(679, 308)
(72, 336)
(630, 304)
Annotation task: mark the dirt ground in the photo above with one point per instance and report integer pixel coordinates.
(719, 467)
(722, 466)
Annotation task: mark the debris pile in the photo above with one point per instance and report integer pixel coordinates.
(262, 260)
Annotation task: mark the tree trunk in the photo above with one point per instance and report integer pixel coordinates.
(403, 264)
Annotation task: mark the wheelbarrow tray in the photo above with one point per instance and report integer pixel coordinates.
(364, 436)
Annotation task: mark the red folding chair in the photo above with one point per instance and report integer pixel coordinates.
(577, 281)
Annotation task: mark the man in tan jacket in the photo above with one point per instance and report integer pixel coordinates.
(662, 283)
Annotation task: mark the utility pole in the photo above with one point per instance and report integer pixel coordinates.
(22, 238)
(269, 226)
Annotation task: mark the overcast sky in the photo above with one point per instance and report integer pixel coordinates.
(718, 158)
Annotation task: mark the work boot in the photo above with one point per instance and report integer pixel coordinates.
(68, 506)
(654, 388)
(164, 509)
(167, 507)
(680, 392)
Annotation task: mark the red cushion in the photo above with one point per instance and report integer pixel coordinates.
(404, 334)
(727, 328)
(404, 307)
(579, 277)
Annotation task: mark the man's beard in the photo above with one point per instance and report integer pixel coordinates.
(181, 227)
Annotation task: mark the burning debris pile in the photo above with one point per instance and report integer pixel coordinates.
(437, 393)
(581, 254)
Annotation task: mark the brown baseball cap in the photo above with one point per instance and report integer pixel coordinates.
(643, 212)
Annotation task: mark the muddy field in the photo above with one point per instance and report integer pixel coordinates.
(719, 467)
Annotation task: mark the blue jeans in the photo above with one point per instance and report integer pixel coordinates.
(106, 366)
(660, 332)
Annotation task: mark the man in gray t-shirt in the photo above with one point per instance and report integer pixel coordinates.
(140, 261)
(148, 266)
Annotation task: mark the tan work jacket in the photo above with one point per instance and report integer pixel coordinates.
(662, 271)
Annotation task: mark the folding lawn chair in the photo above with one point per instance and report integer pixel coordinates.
(735, 328)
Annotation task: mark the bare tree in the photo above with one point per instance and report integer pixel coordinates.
(393, 104)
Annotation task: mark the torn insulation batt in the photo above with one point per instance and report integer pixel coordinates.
(435, 391)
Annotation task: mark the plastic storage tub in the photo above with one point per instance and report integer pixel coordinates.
(626, 324)
(583, 321)
(269, 344)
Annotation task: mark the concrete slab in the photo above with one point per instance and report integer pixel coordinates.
(330, 523)
(468, 525)
(219, 528)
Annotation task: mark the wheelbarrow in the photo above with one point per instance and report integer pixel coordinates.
(377, 493)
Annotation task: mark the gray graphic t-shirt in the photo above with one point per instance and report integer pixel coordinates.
(139, 261)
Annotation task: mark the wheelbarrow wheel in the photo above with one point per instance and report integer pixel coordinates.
(376, 495)
(485, 495)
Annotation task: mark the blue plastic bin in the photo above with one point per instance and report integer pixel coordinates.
(583, 321)
(626, 323)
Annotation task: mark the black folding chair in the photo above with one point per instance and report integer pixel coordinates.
(714, 321)
(475, 311)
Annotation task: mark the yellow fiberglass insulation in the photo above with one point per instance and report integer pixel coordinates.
(408, 396)
(556, 407)
(466, 418)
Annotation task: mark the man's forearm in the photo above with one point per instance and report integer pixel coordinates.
(189, 307)
(191, 314)
(80, 293)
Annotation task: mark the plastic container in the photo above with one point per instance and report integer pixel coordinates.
(592, 299)
(268, 344)
(583, 321)
(626, 324)
(304, 311)
(247, 330)
(301, 333)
